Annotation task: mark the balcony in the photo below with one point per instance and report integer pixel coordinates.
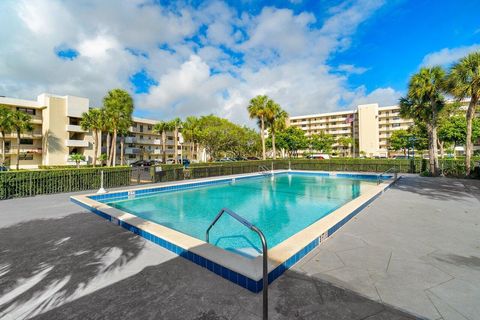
(130, 140)
(75, 128)
(76, 143)
(132, 151)
(157, 151)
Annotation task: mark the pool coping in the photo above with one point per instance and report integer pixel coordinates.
(246, 272)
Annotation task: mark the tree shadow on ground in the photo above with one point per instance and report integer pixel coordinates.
(64, 254)
(179, 289)
(439, 188)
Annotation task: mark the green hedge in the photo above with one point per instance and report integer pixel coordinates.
(14, 184)
(451, 167)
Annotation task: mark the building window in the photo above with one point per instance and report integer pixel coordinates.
(26, 141)
(395, 125)
(141, 128)
(27, 110)
(150, 128)
(396, 118)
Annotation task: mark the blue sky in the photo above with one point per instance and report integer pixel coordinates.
(200, 57)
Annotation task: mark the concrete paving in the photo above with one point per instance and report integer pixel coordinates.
(413, 253)
(417, 247)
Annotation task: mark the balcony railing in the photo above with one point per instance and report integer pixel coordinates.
(74, 128)
(76, 143)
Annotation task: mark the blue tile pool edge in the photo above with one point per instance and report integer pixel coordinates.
(254, 286)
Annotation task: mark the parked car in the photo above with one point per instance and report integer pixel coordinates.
(240, 159)
(318, 156)
(142, 163)
(400, 157)
(3, 168)
(253, 158)
(225, 159)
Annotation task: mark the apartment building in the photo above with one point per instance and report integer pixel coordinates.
(369, 125)
(56, 131)
(144, 144)
(57, 134)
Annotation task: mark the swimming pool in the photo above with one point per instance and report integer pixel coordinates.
(296, 210)
(280, 207)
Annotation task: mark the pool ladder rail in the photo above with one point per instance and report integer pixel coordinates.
(252, 227)
(265, 170)
(393, 170)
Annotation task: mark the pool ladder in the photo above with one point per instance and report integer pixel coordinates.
(252, 227)
(395, 174)
(265, 170)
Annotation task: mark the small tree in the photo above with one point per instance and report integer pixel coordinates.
(345, 142)
(399, 140)
(322, 142)
(77, 158)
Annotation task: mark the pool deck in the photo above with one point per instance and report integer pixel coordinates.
(416, 249)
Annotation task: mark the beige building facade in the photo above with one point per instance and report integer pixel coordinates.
(369, 125)
(57, 134)
(56, 131)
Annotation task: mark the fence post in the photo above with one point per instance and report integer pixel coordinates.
(102, 189)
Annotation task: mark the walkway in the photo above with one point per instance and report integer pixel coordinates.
(415, 248)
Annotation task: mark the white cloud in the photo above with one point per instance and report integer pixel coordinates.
(447, 56)
(209, 59)
(350, 68)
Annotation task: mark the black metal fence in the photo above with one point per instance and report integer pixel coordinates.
(15, 184)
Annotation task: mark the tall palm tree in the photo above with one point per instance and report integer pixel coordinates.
(21, 122)
(176, 124)
(190, 132)
(257, 109)
(464, 82)
(105, 127)
(276, 119)
(5, 127)
(119, 108)
(161, 128)
(123, 131)
(423, 102)
(92, 120)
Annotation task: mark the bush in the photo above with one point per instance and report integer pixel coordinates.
(14, 184)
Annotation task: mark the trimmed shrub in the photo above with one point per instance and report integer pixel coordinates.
(14, 184)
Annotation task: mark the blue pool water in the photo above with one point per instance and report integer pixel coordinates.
(280, 207)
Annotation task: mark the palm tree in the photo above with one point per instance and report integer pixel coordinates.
(190, 132)
(423, 102)
(123, 131)
(5, 127)
(92, 120)
(176, 124)
(464, 82)
(77, 158)
(161, 128)
(105, 127)
(276, 119)
(119, 108)
(21, 122)
(257, 109)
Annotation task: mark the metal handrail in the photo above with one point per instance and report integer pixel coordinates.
(265, 170)
(387, 171)
(252, 227)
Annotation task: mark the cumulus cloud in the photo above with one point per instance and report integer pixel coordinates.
(447, 56)
(206, 59)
